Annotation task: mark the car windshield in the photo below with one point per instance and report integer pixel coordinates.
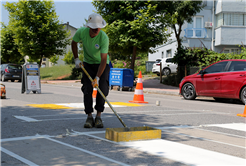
(14, 67)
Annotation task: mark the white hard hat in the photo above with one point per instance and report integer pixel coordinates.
(96, 21)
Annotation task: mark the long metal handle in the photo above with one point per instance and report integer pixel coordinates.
(88, 75)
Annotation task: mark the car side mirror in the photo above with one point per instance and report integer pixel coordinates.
(202, 72)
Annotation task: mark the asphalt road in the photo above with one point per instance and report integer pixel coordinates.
(47, 129)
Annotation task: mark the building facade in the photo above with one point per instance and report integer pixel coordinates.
(220, 26)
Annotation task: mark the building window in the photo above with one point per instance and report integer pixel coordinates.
(237, 19)
(162, 54)
(197, 22)
(231, 19)
(219, 19)
(231, 50)
(169, 53)
(195, 29)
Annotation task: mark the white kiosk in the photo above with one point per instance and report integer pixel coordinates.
(31, 78)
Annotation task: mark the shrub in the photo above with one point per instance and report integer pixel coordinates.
(76, 73)
(68, 58)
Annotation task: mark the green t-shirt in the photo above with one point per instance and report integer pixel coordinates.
(93, 47)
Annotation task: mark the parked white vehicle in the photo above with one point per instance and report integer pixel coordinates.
(168, 67)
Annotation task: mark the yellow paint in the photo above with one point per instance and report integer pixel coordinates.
(132, 134)
(125, 104)
(48, 106)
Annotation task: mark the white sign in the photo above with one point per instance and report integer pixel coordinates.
(33, 82)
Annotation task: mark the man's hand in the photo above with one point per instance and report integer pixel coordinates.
(95, 82)
(77, 63)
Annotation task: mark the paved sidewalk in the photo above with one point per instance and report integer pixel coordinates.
(151, 85)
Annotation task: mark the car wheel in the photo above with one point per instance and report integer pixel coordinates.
(243, 95)
(166, 71)
(188, 91)
(2, 78)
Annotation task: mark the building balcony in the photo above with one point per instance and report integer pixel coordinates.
(230, 35)
(195, 32)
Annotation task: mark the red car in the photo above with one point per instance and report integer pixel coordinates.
(223, 79)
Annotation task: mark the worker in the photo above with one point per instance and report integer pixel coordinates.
(96, 60)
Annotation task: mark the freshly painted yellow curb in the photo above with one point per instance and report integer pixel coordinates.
(125, 104)
(48, 106)
(132, 134)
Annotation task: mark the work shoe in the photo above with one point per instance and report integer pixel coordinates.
(98, 122)
(89, 122)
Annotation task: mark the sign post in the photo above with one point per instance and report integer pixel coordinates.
(31, 78)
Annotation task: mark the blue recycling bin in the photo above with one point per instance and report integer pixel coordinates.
(123, 78)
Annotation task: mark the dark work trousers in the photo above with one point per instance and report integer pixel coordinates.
(87, 88)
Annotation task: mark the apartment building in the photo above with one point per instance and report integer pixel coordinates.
(220, 26)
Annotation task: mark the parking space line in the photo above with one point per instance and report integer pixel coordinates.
(24, 138)
(233, 135)
(203, 139)
(86, 151)
(233, 126)
(27, 119)
(159, 147)
(18, 157)
(62, 143)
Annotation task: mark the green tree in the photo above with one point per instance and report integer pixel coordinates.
(185, 10)
(9, 50)
(133, 26)
(38, 32)
(68, 58)
(54, 59)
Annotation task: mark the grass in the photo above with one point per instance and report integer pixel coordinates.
(56, 72)
(63, 72)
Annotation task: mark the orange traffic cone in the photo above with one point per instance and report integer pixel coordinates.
(138, 95)
(244, 113)
(94, 94)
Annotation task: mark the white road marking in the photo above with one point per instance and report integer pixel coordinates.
(81, 105)
(233, 126)
(86, 151)
(24, 138)
(184, 153)
(204, 139)
(168, 149)
(27, 119)
(18, 157)
(221, 133)
(62, 143)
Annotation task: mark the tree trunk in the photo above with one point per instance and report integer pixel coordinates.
(177, 34)
(40, 61)
(133, 57)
